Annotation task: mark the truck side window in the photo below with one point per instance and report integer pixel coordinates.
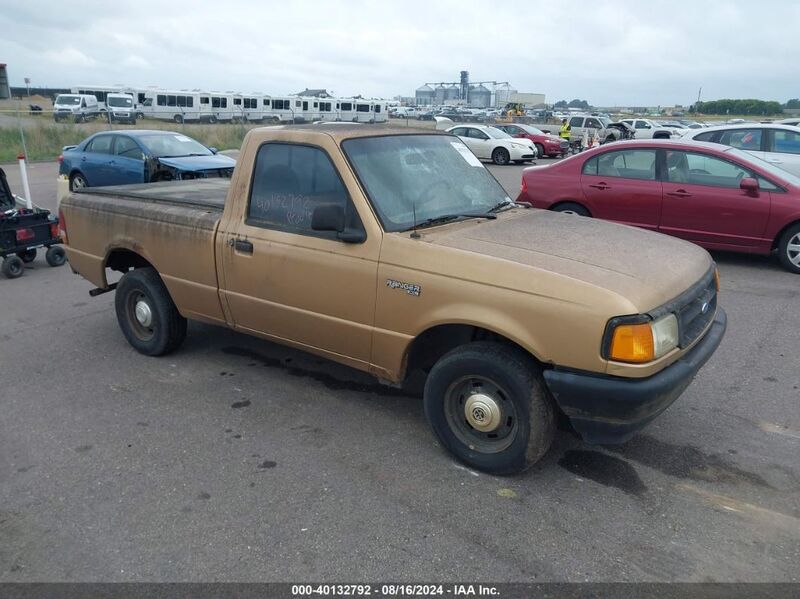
(290, 181)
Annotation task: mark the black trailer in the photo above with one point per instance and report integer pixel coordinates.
(23, 231)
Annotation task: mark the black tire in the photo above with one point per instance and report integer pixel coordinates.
(518, 402)
(13, 267)
(571, 208)
(540, 151)
(159, 328)
(55, 255)
(27, 256)
(789, 249)
(178, 118)
(139, 115)
(500, 156)
(77, 181)
(212, 120)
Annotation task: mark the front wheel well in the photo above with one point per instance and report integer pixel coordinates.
(429, 346)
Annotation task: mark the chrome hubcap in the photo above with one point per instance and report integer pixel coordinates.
(482, 412)
(144, 315)
(793, 250)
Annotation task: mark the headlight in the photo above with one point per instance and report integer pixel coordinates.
(644, 342)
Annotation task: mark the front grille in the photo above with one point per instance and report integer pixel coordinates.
(697, 312)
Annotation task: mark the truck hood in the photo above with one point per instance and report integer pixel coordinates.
(646, 268)
(198, 163)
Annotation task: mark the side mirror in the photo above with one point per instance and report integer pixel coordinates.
(750, 185)
(213, 150)
(330, 217)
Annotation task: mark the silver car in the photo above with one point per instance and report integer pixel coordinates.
(777, 144)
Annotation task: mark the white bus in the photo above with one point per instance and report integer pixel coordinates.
(248, 107)
(167, 105)
(361, 111)
(278, 109)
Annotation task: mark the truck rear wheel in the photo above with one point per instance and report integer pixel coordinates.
(488, 405)
(146, 313)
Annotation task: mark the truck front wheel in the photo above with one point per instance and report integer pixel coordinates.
(488, 405)
(146, 313)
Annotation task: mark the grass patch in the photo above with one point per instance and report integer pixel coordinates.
(44, 139)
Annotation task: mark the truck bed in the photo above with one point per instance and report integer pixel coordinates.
(172, 225)
(200, 193)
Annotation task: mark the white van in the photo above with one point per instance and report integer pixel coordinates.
(120, 108)
(77, 107)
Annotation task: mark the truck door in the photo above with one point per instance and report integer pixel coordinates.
(286, 281)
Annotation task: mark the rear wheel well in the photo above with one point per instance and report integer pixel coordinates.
(428, 347)
(122, 260)
(781, 232)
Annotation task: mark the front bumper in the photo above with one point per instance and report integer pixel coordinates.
(610, 409)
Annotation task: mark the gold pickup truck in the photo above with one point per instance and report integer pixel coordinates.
(395, 251)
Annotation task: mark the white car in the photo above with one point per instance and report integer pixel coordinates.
(489, 143)
(647, 129)
(777, 144)
(794, 122)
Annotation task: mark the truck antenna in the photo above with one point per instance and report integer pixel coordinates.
(414, 234)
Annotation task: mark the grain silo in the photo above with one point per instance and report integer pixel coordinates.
(480, 96)
(424, 95)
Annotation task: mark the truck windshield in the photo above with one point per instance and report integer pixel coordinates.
(173, 145)
(411, 179)
(68, 100)
(119, 102)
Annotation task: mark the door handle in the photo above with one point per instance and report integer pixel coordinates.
(243, 246)
(599, 185)
(680, 193)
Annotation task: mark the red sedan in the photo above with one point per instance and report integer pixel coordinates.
(546, 144)
(718, 197)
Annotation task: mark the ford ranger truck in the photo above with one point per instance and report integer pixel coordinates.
(395, 251)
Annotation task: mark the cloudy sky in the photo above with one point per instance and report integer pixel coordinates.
(607, 52)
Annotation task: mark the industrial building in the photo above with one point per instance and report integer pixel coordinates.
(478, 94)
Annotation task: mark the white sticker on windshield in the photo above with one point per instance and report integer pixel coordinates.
(466, 154)
(183, 138)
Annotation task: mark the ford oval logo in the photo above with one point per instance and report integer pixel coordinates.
(704, 307)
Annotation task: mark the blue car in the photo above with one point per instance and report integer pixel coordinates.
(140, 156)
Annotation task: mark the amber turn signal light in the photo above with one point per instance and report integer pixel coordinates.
(633, 343)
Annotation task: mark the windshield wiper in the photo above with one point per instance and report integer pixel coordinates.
(499, 206)
(445, 218)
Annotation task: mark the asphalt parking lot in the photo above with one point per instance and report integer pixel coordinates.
(238, 460)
